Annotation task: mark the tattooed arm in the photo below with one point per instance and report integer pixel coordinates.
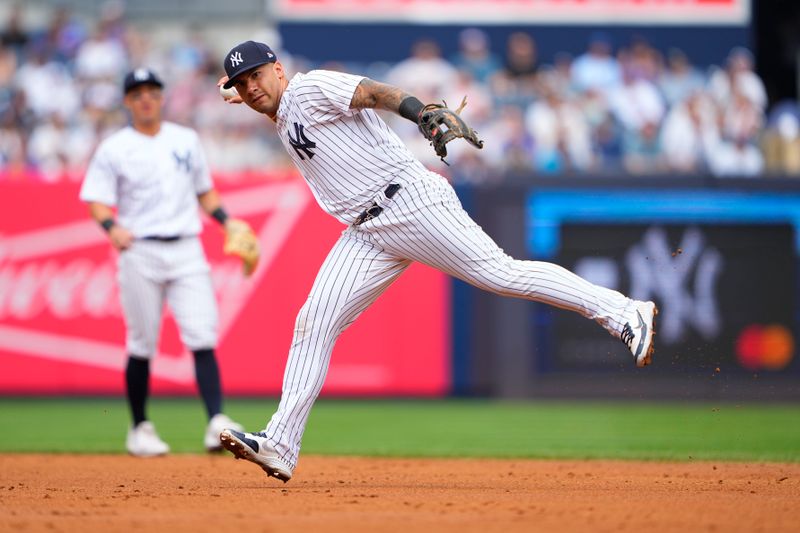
(374, 95)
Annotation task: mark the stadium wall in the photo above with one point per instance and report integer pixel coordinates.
(320, 42)
(719, 256)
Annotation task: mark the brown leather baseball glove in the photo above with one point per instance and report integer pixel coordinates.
(241, 241)
(441, 125)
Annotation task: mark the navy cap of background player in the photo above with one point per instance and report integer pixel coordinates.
(141, 76)
(245, 56)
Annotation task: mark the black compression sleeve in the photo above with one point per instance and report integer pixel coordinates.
(410, 108)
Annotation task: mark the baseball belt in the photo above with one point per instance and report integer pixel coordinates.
(376, 209)
(162, 238)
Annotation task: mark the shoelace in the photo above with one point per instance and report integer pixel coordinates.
(627, 335)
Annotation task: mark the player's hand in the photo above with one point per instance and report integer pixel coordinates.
(230, 95)
(120, 238)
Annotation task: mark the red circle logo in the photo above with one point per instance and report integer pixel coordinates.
(769, 347)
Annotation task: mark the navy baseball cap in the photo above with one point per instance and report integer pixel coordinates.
(141, 76)
(245, 56)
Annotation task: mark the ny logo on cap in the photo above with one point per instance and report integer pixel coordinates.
(141, 74)
(236, 58)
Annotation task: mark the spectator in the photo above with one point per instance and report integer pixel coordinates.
(112, 17)
(732, 158)
(560, 131)
(425, 74)
(60, 150)
(742, 118)
(515, 84)
(475, 56)
(141, 51)
(191, 54)
(683, 131)
(644, 60)
(102, 57)
(781, 140)
(738, 76)
(596, 68)
(100, 63)
(560, 74)
(581, 115)
(63, 36)
(47, 85)
(512, 146)
(638, 107)
(522, 60)
(18, 114)
(680, 79)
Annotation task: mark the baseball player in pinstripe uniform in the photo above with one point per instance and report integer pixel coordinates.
(396, 212)
(155, 174)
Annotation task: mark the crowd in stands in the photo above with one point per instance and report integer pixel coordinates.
(629, 109)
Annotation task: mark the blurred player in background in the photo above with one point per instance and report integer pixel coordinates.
(154, 172)
(397, 212)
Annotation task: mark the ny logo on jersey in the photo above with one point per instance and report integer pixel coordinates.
(183, 163)
(301, 142)
(236, 59)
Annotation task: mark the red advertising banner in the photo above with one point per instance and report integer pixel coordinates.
(62, 332)
(610, 12)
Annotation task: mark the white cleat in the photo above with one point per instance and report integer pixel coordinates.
(215, 426)
(255, 448)
(143, 441)
(639, 331)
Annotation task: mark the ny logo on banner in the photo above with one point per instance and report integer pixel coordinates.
(684, 282)
(301, 143)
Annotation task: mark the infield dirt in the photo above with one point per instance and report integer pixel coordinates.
(332, 494)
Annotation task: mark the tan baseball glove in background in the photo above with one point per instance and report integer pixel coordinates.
(241, 241)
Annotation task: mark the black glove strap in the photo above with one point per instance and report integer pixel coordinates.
(410, 108)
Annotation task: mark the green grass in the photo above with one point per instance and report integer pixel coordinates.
(449, 428)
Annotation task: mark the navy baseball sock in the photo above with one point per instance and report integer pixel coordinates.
(207, 373)
(137, 379)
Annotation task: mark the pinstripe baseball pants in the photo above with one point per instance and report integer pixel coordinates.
(424, 222)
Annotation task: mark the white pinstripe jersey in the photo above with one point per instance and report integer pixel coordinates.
(153, 180)
(347, 156)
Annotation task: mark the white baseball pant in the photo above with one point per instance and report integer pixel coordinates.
(423, 222)
(151, 272)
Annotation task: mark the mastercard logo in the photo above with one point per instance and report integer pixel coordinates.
(768, 347)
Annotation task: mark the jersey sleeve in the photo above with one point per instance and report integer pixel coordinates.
(100, 183)
(201, 175)
(326, 94)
